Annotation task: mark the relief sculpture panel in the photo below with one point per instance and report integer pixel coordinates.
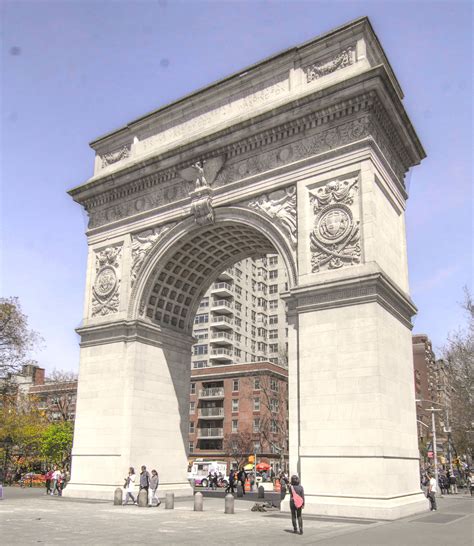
(335, 239)
(280, 207)
(106, 287)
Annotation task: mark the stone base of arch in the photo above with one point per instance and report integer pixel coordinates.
(132, 408)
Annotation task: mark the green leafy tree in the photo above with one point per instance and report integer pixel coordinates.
(56, 442)
(22, 426)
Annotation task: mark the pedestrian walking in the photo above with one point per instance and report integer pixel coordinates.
(242, 477)
(432, 490)
(470, 481)
(230, 487)
(144, 479)
(296, 503)
(48, 478)
(154, 483)
(129, 485)
(56, 477)
(453, 486)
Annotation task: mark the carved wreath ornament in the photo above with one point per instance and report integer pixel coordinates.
(336, 234)
(105, 291)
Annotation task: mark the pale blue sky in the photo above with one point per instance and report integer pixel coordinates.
(74, 70)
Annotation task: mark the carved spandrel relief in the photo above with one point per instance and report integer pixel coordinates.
(280, 206)
(106, 287)
(142, 243)
(334, 241)
(341, 60)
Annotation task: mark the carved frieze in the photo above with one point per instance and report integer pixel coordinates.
(280, 207)
(341, 60)
(334, 241)
(106, 287)
(142, 243)
(113, 157)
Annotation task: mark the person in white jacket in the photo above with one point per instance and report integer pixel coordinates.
(129, 486)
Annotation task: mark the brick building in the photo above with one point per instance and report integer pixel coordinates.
(237, 410)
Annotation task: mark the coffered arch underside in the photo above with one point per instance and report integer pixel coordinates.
(188, 258)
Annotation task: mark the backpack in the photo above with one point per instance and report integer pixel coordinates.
(297, 499)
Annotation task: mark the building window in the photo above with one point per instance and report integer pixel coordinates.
(261, 346)
(273, 304)
(235, 425)
(201, 334)
(274, 385)
(273, 334)
(273, 260)
(273, 319)
(256, 447)
(273, 289)
(199, 319)
(200, 349)
(273, 347)
(238, 322)
(237, 352)
(256, 383)
(274, 405)
(193, 388)
(238, 290)
(273, 274)
(235, 404)
(191, 427)
(256, 404)
(235, 385)
(192, 407)
(274, 360)
(253, 331)
(238, 337)
(191, 447)
(273, 426)
(200, 364)
(256, 425)
(238, 306)
(253, 316)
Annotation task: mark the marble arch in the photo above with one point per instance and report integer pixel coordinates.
(304, 153)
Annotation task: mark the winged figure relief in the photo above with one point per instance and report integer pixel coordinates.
(203, 173)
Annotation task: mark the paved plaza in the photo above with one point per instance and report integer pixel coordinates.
(27, 516)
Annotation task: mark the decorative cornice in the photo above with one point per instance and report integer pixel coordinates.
(368, 288)
(136, 188)
(128, 331)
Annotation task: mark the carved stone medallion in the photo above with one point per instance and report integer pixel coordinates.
(335, 238)
(105, 290)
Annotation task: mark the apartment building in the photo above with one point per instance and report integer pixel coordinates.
(241, 317)
(241, 334)
(239, 409)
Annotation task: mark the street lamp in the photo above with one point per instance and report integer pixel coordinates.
(433, 425)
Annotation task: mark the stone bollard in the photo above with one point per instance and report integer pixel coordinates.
(240, 491)
(118, 497)
(169, 502)
(198, 502)
(229, 504)
(261, 492)
(143, 498)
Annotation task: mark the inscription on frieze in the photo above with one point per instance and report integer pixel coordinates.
(334, 241)
(106, 287)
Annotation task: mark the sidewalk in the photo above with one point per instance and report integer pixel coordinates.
(29, 518)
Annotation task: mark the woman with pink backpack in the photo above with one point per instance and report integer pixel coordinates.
(296, 503)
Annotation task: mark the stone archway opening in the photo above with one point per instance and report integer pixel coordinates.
(180, 279)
